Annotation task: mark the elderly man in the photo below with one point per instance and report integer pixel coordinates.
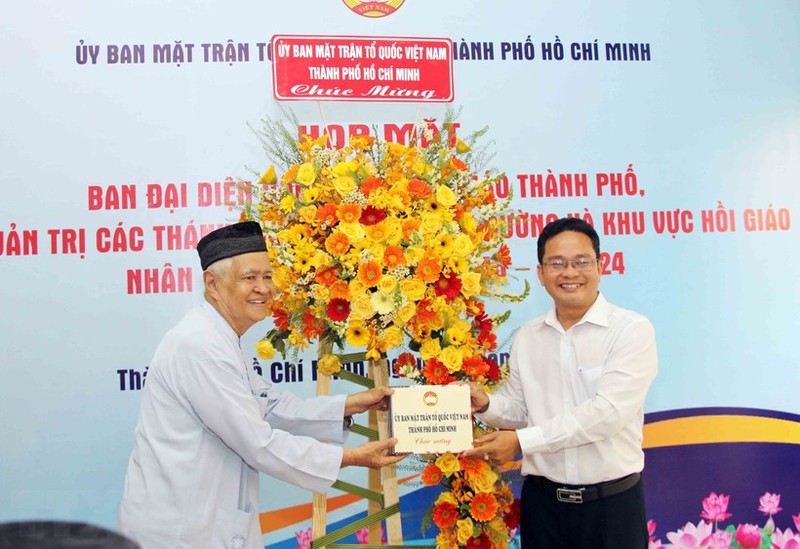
(209, 424)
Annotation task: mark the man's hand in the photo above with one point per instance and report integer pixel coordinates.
(496, 447)
(371, 454)
(376, 398)
(479, 399)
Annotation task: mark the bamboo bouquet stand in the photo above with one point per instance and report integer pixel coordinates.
(383, 499)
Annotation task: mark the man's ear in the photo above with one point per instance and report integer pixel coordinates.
(210, 282)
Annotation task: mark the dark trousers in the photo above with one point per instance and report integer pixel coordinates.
(613, 522)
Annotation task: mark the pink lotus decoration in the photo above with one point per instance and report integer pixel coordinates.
(713, 535)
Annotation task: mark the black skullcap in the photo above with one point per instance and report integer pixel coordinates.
(236, 239)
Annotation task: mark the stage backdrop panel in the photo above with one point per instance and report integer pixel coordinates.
(674, 127)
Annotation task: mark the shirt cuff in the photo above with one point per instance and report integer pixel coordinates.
(531, 439)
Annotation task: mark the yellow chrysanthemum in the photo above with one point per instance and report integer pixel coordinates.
(287, 203)
(458, 264)
(458, 331)
(282, 278)
(307, 214)
(468, 224)
(446, 540)
(298, 340)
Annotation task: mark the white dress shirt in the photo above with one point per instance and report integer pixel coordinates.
(576, 397)
(208, 425)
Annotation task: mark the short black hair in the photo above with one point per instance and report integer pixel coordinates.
(558, 226)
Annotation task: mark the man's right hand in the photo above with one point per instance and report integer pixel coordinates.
(373, 454)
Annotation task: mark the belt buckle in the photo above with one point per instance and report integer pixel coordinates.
(568, 495)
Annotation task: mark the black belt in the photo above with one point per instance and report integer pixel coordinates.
(568, 493)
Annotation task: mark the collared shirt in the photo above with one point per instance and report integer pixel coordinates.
(576, 397)
(208, 425)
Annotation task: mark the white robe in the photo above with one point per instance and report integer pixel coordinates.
(208, 425)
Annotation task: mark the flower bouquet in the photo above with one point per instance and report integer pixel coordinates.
(382, 245)
(477, 509)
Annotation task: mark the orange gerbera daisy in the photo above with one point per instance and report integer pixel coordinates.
(475, 366)
(425, 313)
(445, 515)
(393, 257)
(337, 244)
(348, 213)
(281, 318)
(312, 326)
(370, 184)
(436, 372)
(327, 214)
(473, 466)
(483, 506)
(326, 277)
(419, 189)
(428, 270)
(340, 288)
(369, 273)
(431, 475)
